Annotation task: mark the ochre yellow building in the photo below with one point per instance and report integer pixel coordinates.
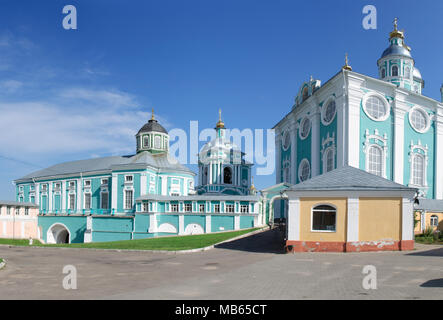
(349, 210)
(428, 214)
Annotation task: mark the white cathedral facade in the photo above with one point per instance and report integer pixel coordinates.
(384, 126)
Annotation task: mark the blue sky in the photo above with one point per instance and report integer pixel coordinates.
(76, 94)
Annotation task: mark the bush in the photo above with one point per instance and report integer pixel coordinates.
(429, 232)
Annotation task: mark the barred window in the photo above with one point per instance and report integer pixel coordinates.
(105, 199)
(128, 199)
(87, 201)
(230, 208)
(375, 107)
(188, 207)
(244, 208)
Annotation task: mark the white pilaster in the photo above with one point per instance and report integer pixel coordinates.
(114, 195)
(294, 220)
(143, 183)
(399, 142)
(153, 223)
(278, 155)
(79, 195)
(37, 193)
(341, 107)
(438, 181)
(208, 224)
(293, 133)
(315, 143)
(353, 134)
(63, 195)
(50, 196)
(181, 224)
(236, 222)
(353, 222)
(407, 231)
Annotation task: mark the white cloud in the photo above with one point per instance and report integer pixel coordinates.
(79, 121)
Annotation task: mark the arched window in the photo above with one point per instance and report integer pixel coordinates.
(434, 221)
(324, 218)
(227, 175)
(395, 71)
(375, 160)
(157, 142)
(146, 142)
(287, 172)
(418, 170)
(304, 170)
(329, 160)
(205, 176)
(383, 73)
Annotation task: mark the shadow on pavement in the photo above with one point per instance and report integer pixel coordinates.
(435, 283)
(264, 242)
(429, 253)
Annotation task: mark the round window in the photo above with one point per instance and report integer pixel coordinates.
(419, 120)
(328, 112)
(375, 108)
(304, 170)
(286, 140)
(305, 128)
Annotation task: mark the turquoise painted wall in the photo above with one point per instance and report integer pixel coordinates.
(226, 222)
(246, 222)
(76, 226)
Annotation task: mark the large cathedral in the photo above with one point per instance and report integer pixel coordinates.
(144, 195)
(383, 125)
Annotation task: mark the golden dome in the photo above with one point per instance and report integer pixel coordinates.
(396, 33)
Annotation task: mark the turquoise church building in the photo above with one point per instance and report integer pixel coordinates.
(144, 195)
(383, 125)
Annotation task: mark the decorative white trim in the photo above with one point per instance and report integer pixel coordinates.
(383, 99)
(412, 155)
(328, 144)
(312, 217)
(324, 108)
(301, 128)
(285, 135)
(384, 149)
(425, 114)
(300, 166)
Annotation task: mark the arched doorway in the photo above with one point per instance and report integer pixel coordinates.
(58, 233)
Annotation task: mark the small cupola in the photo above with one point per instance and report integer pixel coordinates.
(152, 137)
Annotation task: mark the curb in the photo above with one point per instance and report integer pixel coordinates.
(148, 251)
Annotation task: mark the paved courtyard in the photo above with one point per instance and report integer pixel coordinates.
(251, 268)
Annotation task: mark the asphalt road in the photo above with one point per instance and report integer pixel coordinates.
(251, 268)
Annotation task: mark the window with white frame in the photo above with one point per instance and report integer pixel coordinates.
(375, 108)
(17, 211)
(383, 73)
(324, 218)
(286, 140)
(419, 120)
(244, 208)
(8, 211)
(128, 199)
(145, 207)
(287, 171)
(329, 160)
(57, 187)
(217, 208)
(394, 71)
(104, 181)
(434, 221)
(230, 208)
(188, 207)
(328, 112)
(375, 160)
(26, 211)
(20, 189)
(174, 207)
(305, 128)
(201, 208)
(146, 142)
(71, 184)
(71, 202)
(304, 170)
(44, 187)
(87, 183)
(104, 200)
(418, 170)
(87, 201)
(157, 142)
(128, 178)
